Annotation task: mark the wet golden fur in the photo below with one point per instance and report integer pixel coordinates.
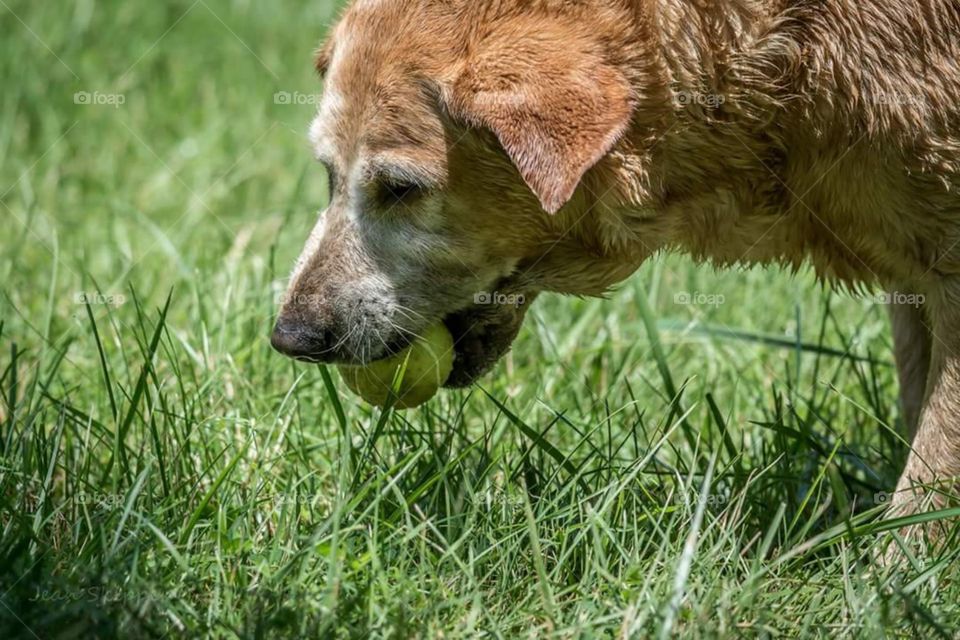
(563, 142)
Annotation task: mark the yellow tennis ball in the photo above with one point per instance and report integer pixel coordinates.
(429, 363)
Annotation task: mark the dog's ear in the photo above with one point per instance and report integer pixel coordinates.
(553, 101)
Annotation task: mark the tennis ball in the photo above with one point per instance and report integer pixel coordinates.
(429, 363)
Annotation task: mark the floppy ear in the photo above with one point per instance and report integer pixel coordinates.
(553, 101)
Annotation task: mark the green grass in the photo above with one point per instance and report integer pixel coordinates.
(636, 467)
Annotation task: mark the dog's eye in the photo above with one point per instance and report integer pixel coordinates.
(392, 192)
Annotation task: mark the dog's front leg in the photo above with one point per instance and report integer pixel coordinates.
(933, 467)
(911, 344)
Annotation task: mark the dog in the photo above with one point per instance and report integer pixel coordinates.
(530, 146)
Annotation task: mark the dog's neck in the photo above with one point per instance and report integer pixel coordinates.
(708, 85)
(704, 94)
(751, 154)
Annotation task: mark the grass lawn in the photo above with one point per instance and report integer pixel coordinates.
(701, 455)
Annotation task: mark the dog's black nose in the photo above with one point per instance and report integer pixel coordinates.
(303, 342)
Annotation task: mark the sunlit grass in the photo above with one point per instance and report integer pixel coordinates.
(703, 454)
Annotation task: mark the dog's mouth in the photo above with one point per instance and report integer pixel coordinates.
(482, 334)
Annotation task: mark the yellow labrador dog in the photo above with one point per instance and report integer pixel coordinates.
(523, 146)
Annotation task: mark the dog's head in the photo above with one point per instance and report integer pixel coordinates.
(452, 134)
